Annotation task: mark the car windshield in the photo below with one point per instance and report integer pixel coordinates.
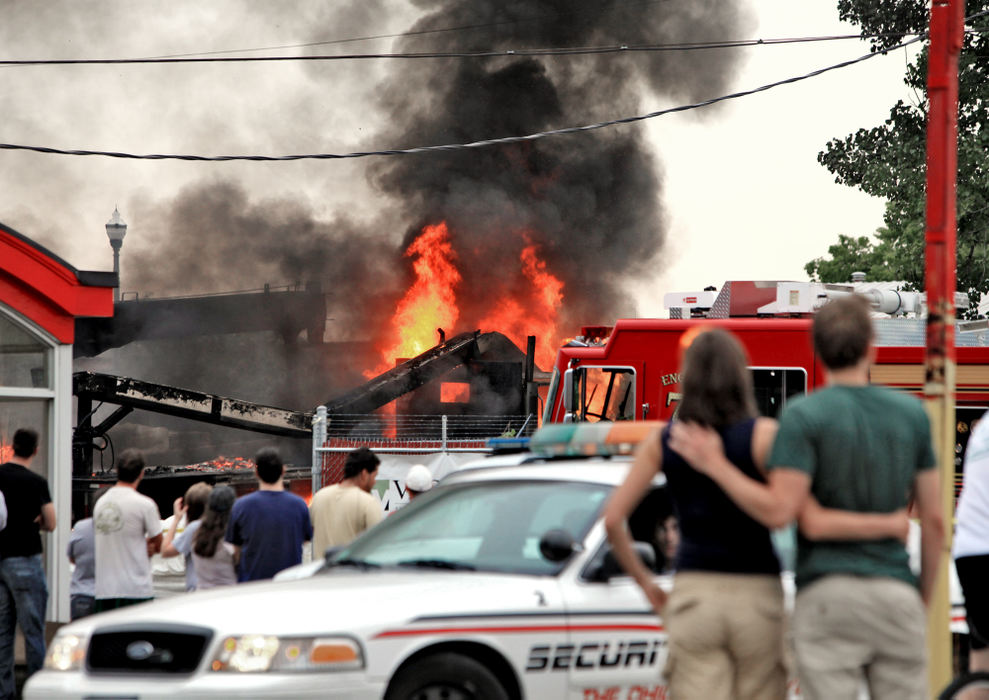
(480, 526)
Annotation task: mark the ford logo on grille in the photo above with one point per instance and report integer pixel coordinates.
(140, 651)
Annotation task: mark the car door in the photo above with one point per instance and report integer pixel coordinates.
(617, 644)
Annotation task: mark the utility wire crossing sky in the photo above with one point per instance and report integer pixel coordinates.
(458, 146)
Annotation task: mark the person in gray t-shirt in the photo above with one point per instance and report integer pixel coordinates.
(82, 588)
(215, 560)
(82, 556)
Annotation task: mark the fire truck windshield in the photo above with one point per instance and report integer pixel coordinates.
(774, 386)
(600, 393)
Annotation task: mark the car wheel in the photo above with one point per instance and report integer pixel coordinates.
(445, 676)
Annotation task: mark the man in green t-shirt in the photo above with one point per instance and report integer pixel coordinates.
(858, 617)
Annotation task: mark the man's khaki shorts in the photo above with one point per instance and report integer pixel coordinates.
(850, 630)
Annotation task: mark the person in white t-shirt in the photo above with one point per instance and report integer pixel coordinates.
(127, 525)
(971, 545)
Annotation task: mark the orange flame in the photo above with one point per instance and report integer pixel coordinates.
(430, 302)
(535, 314)
(222, 463)
(455, 392)
(597, 390)
(6, 452)
(528, 305)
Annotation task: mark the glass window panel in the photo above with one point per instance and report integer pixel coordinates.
(25, 413)
(25, 361)
(774, 387)
(489, 526)
(606, 393)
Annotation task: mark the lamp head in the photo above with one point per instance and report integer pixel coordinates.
(116, 229)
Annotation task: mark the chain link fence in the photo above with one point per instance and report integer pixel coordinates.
(390, 434)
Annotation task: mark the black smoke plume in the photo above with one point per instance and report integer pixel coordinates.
(591, 201)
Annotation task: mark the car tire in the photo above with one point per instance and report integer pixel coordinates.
(446, 676)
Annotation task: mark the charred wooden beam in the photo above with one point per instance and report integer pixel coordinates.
(194, 405)
(407, 376)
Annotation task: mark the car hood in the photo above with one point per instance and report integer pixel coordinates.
(338, 601)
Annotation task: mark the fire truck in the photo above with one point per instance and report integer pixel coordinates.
(630, 371)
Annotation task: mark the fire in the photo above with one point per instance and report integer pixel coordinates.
(430, 303)
(597, 391)
(6, 452)
(535, 312)
(528, 304)
(455, 392)
(222, 463)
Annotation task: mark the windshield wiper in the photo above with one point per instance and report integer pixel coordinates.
(437, 564)
(357, 563)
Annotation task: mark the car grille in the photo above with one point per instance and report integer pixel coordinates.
(147, 649)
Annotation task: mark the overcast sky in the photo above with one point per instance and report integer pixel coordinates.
(747, 196)
(742, 192)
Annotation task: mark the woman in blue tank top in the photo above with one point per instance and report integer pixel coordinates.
(725, 615)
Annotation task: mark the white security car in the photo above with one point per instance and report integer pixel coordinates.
(494, 584)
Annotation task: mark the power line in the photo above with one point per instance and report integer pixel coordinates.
(491, 53)
(461, 146)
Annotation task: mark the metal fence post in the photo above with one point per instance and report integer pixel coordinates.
(318, 441)
(443, 424)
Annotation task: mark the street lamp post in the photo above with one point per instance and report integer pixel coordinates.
(116, 229)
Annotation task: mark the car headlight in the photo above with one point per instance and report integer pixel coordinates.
(66, 653)
(258, 653)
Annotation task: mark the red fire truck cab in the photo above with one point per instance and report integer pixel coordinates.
(631, 371)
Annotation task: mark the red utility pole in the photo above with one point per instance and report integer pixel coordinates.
(947, 23)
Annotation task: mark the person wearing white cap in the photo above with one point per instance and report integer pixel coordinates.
(418, 480)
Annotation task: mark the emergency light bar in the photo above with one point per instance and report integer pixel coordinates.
(590, 439)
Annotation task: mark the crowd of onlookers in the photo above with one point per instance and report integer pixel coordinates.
(223, 540)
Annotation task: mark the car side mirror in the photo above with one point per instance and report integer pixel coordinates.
(609, 567)
(557, 545)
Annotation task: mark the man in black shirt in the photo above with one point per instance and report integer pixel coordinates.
(23, 587)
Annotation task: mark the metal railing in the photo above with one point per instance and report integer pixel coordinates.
(336, 435)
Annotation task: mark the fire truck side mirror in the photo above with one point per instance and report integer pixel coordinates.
(568, 395)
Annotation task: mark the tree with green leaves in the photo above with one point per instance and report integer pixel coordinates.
(888, 160)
